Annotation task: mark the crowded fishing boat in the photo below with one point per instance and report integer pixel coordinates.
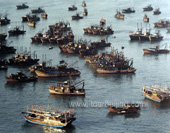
(157, 93)
(47, 116)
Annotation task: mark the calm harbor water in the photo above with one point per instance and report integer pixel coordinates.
(100, 89)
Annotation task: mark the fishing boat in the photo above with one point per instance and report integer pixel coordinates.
(127, 108)
(22, 6)
(16, 31)
(23, 59)
(4, 20)
(102, 21)
(148, 8)
(37, 38)
(85, 13)
(119, 15)
(72, 8)
(157, 93)
(84, 4)
(100, 43)
(38, 10)
(44, 15)
(156, 36)
(162, 23)
(59, 71)
(76, 17)
(31, 23)
(112, 63)
(128, 10)
(29, 17)
(156, 12)
(145, 18)
(67, 88)
(49, 116)
(2, 36)
(20, 77)
(156, 50)
(87, 51)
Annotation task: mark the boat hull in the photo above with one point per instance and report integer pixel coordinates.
(123, 110)
(46, 74)
(44, 123)
(21, 80)
(146, 51)
(67, 93)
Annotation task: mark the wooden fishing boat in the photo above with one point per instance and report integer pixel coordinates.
(38, 10)
(148, 8)
(84, 4)
(29, 17)
(128, 108)
(20, 77)
(44, 15)
(24, 59)
(162, 23)
(119, 15)
(100, 43)
(16, 31)
(85, 13)
(22, 6)
(76, 17)
(128, 10)
(155, 50)
(57, 118)
(145, 18)
(156, 12)
(67, 88)
(4, 20)
(31, 23)
(157, 93)
(72, 8)
(102, 21)
(59, 71)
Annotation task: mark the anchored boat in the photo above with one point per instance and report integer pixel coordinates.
(59, 71)
(20, 77)
(67, 88)
(39, 115)
(157, 93)
(128, 108)
(155, 50)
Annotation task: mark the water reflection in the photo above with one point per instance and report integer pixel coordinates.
(64, 97)
(15, 86)
(120, 75)
(156, 105)
(29, 127)
(129, 115)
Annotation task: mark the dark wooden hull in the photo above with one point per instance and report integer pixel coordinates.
(155, 38)
(147, 51)
(50, 74)
(123, 110)
(21, 80)
(134, 37)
